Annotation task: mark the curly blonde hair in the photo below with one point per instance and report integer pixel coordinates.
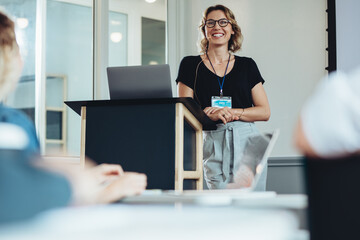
(10, 70)
(236, 39)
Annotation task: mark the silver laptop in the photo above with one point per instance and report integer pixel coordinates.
(139, 82)
(254, 160)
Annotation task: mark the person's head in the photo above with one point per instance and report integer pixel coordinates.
(10, 60)
(229, 26)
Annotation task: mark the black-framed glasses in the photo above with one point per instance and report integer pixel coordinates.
(223, 22)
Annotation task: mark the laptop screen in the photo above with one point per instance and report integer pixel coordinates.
(139, 82)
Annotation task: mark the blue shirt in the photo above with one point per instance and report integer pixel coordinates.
(26, 190)
(10, 115)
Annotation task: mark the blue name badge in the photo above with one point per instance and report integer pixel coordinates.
(220, 102)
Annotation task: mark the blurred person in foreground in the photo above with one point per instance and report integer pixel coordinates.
(29, 185)
(329, 125)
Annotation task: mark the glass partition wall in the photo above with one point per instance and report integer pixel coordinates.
(23, 14)
(69, 57)
(135, 35)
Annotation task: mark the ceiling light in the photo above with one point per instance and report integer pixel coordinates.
(153, 62)
(22, 22)
(114, 22)
(116, 37)
(150, 1)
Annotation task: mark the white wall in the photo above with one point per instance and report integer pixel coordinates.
(287, 39)
(347, 34)
(136, 9)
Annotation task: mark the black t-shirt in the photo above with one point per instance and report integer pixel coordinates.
(238, 82)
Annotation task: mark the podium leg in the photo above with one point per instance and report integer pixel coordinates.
(182, 113)
(83, 135)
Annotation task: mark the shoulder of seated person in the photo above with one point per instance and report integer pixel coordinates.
(12, 137)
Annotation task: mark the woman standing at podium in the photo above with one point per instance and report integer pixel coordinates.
(230, 90)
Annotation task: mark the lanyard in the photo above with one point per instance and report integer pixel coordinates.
(222, 84)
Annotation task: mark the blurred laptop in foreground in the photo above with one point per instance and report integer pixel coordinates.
(251, 173)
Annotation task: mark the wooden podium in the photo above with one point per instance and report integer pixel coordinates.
(159, 137)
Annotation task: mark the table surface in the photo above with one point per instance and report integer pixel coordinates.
(154, 221)
(222, 198)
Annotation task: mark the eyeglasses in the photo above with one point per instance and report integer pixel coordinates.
(223, 22)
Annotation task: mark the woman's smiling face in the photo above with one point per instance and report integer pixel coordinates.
(218, 35)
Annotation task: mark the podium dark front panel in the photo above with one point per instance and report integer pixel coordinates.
(140, 138)
(189, 154)
(189, 147)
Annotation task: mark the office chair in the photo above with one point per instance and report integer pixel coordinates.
(334, 198)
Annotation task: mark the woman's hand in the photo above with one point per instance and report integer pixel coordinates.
(115, 184)
(129, 184)
(104, 183)
(224, 114)
(106, 172)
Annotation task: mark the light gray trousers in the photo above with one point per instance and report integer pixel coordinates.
(223, 150)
